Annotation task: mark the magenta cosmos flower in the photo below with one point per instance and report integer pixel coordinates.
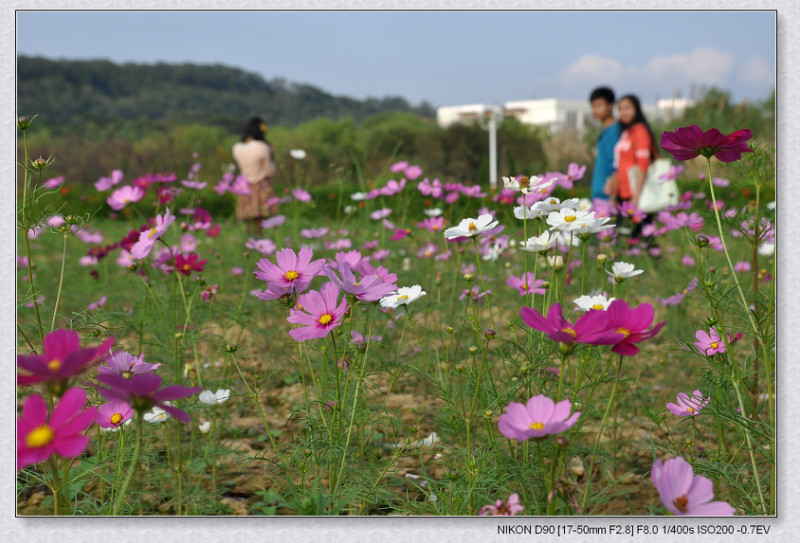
(526, 284)
(63, 358)
(590, 328)
(500, 509)
(709, 343)
(318, 312)
(684, 493)
(113, 414)
(688, 406)
(142, 393)
(367, 288)
(148, 238)
(39, 437)
(293, 272)
(187, 264)
(689, 142)
(538, 418)
(632, 324)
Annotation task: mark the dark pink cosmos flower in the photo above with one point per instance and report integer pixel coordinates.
(368, 288)
(526, 284)
(684, 493)
(63, 358)
(400, 233)
(689, 142)
(630, 325)
(318, 312)
(143, 392)
(209, 293)
(538, 418)
(432, 224)
(187, 264)
(590, 328)
(293, 270)
(39, 437)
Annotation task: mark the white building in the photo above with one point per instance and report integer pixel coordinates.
(554, 113)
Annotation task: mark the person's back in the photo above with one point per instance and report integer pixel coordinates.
(602, 100)
(254, 160)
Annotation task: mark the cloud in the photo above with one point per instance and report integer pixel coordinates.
(755, 72)
(660, 75)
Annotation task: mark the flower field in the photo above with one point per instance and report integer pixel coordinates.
(416, 346)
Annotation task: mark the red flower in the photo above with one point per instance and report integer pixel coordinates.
(187, 264)
(689, 142)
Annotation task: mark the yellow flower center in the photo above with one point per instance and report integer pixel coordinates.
(473, 227)
(39, 436)
(116, 418)
(187, 267)
(690, 409)
(151, 233)
(598, 306)
(127, 374)
(291, 275)
(536, 426)
(623, 331)
(525, 286)
(569, 218)
(402, 297)
(570, 331)
(714, 344)
(524, 181)
(553, 201)
(54, 364)
(681, 503)
(325, 319)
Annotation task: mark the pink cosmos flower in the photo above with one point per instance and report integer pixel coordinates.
(89, 237)
(400, 233)
(368, 288)
(350, 258)
(87, 261)
(209, 293)
(709, 343)
(742, 266)
(314, 233)
(272, 222)
(380, 214)
(684, 493)
(392, 187)
(301, 195)
(631, 325)
(525, 284)
(113, 414)
(627, 209)
(143, 392)
(124, 196)
(428, 250)
(432, 224)
(53, 183)
(105, 183)
(186, 264)
(398, 166)
(689, 142)
(98, 304)
(673, 172)
(62, 358)
(125, 364)
(263, 246)
(510, 508)
(197, 185)
(431, 188)
(38, 436)
(318, 313)
(148, 238)
(687, 261)
(536, 419)
(688, 406)
(293, 271)
(240, 186)
(413, 172)
(236, 270)
(590, 328)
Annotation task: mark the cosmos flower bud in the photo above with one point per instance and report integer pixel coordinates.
(231, 348)
(703, 241)
(602, 258)
(489, 333)
(473, 350)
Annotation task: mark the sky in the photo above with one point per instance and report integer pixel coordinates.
(443, 57)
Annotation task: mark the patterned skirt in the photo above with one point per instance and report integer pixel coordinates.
(256, 204)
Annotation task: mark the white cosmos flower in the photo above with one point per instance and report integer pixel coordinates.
(214, 398)
(494, 252)
(564, 238)
(524, 212)
(297, 154)
(595, 225)
(403, 296)
(555, 261)
(205, 427)
(156, 415)
(526, 185)
(469, 228)
(767, 248)
(432, 212)
(116, 428)
(538, 244)
(568, 219)
(584, 204)
(587, 303)
(349, 210)
(623, 270)
(358, 196)
(771, 205)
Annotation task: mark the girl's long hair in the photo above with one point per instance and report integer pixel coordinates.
(253, 129)
(639, 118)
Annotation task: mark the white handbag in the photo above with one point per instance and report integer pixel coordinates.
(657, 193)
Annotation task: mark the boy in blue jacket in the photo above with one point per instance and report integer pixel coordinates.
(602, 100)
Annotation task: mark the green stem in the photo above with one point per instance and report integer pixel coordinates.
(483, 284)
(60, 283)
(132, 466)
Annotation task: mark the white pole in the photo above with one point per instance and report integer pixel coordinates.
(493, 147)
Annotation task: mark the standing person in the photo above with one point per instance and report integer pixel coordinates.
(602, 100)
(635, 148)
(253, 156)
